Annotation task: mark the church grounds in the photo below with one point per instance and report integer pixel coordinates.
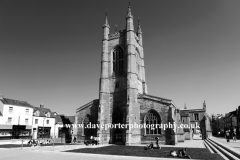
(194, 153)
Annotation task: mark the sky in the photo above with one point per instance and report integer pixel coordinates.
(50, 50)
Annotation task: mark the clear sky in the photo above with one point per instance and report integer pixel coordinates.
(50, 50)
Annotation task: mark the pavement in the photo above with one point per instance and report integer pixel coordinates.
(56, 152)
(14, 141)
(197, 142)
(231, 144)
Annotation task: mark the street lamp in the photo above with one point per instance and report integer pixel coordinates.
(43, 131)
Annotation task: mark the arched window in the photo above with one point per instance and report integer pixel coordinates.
(85, 130)
(153, 123)
(118, 60)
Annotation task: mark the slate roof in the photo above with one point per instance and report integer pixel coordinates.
(232, 114)
(16, 102)
(43, 112)
(61, 119)
(227, 115)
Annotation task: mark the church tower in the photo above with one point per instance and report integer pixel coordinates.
(122, 80)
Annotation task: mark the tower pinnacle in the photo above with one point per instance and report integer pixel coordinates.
(204, 105)
(116, 28)
(106, 21)
(139, 31)
(129, 14)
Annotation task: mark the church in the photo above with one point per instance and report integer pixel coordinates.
(123, 94)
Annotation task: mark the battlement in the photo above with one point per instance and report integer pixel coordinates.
(117, 34)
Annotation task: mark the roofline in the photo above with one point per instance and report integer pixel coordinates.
(156, 97)
(192, 109)
(159, 99)
(30, 106)
(43, 116)
(174, 105)
(18, 105)
(85, 106)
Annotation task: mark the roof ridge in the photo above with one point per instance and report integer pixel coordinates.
(14, 100)
(155, 97)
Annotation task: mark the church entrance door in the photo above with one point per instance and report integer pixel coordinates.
(118, 137)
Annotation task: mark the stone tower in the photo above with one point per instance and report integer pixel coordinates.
(122, 81)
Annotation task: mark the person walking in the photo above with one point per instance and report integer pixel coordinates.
(157, 144)
(234, 134)
(227, 135)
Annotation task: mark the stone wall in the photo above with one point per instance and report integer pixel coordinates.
(90, 109)
(161, 109)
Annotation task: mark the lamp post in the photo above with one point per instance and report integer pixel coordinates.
(43, 131)
(54, 133)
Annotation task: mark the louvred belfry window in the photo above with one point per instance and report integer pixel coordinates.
(118, 60)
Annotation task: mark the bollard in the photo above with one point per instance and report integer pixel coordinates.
(53, 142)
(22, 144)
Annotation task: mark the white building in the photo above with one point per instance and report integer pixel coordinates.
(43, 122)
(15, 118)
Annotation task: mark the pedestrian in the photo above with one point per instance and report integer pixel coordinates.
(234, 134)
(74, 140)
(227, 135)
(157, 144)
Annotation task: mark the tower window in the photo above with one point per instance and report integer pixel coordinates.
(118, 60)
(117, 85)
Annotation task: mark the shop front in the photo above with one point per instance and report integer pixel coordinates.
(44, 132)
(21, 131)
(15, 131)
(5, 132)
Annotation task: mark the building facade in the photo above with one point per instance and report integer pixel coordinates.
(198, 120)
(15, 118)
(19, 119)
(43, 124)
(123, 94)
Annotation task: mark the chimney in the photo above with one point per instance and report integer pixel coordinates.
(41, 106)
(185, 107)
(1, 96)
